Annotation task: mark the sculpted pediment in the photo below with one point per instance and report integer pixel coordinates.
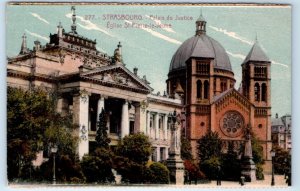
(117, 75)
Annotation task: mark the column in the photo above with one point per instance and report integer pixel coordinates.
(100, 106)
(125, 120)
(165, 127)
(62, 105)
(156, 126)
(157, 154)
(148, 124)
(81, 117)
(140, 119)
(166, 153)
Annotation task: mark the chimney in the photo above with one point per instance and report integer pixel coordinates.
(37, 45)
(135, 70)
(276, 115)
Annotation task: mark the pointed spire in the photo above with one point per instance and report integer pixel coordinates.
(73, 26)
(256, 53)
(200, 25)
(24, 48)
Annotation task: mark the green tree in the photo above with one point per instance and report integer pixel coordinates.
(186, 149)
(97, 167)
(209, 152)
(101, 135)
(158, 173)
(257, 154)
(133, 153)
(136, 148)
(281, 160)
(32, 124)
(27, 119)
(231, 165)
(209, 146)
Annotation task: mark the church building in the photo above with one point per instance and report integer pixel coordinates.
(201, 70)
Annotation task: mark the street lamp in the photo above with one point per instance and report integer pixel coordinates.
(272, 155)
(54, 151)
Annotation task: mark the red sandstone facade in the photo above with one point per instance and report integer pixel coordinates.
(202, 71)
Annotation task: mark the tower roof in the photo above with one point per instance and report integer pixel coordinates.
(256, 54)
(200, 46)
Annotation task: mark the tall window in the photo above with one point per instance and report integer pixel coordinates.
(199, 89)
(257, 92)
(263, 92)
(206, 89)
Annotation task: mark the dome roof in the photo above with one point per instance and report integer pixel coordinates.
(201, 46)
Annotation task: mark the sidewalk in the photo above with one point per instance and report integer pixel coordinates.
(266, 183)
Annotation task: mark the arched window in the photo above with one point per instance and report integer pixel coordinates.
(263, 92)
(206, 89)
(199, 89)
(256, 92)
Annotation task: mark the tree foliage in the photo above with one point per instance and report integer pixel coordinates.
(32, 124)
(209, 146)
(136, 148)
(282, 160)
(97, 167)
(101, 134)
(186, 149)
(231, 164)
(158, 173)
(209, 152)
(132, 155)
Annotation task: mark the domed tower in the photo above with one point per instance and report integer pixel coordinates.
(202, 67)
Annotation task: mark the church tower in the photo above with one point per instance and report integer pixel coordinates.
(256, 86)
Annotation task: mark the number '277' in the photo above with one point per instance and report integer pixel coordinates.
(89, 17)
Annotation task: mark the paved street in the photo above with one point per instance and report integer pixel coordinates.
(279, 183)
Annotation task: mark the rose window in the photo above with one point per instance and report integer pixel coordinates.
(232, 123)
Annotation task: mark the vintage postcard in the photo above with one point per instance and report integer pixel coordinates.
(148, 94)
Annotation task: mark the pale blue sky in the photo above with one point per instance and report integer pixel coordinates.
(151, 50)
(281, 95)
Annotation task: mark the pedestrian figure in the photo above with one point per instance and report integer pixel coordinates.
(289, 178)
(219, 176)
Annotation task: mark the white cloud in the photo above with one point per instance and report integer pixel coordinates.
(278, 63)
(159, 35)
(158, 22)
(232, 35)
(37, 35)
(89, 25)
(242, 57)
(39, 17)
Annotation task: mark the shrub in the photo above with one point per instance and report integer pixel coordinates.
(158, 173)
(210, 167)
(97, 167)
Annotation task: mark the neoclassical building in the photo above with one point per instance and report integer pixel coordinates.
(201, 70)
(281, 131)
(86, 81)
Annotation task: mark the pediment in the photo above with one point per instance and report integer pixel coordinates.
(117, 75)
(231, 97)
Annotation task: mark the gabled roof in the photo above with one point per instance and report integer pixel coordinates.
(256, 54)
(228, 93)
(124, 77)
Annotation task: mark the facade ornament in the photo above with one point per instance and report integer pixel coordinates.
(144, 105)
(83, 95)
(118, 54)
(83, 131)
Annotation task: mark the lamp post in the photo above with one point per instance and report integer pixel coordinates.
(272, 155)
(54, 151)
